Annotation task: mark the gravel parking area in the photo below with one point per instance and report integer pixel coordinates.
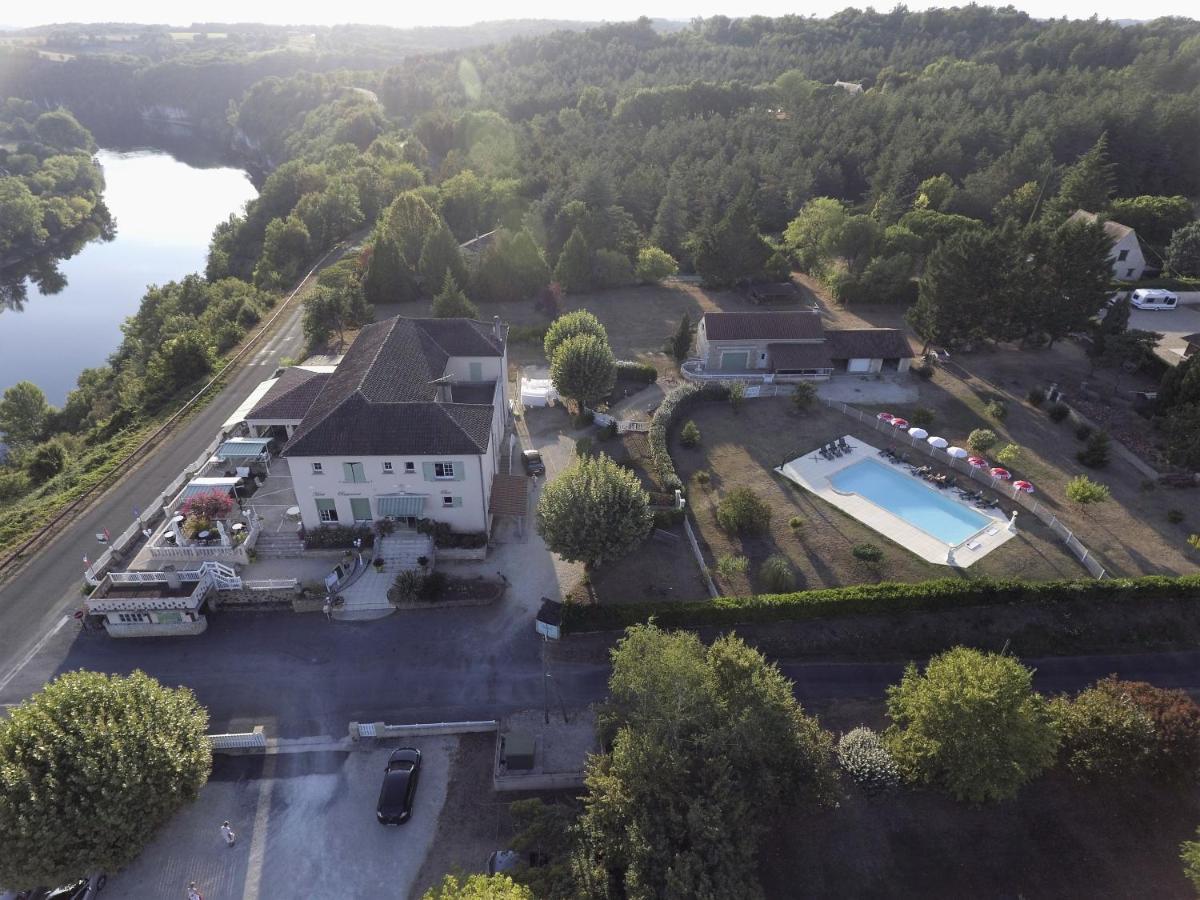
(305, 825)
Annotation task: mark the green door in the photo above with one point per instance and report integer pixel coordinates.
(735, 362)
(360, 508)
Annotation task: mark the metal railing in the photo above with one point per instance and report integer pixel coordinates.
(1027, 502)
(269, 584)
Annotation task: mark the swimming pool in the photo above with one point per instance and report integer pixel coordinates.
(926, 508)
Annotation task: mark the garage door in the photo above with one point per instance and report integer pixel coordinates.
(735, 362)
(858, 365)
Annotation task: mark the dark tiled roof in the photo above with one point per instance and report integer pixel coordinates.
(757, 326)
(867, 343)
(799, 356)
(383, 396)
(291, 396)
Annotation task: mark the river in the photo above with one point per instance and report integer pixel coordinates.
(165, 211)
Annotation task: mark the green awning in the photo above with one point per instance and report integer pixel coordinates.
(207, 485)
(241, 448)
(400, 506)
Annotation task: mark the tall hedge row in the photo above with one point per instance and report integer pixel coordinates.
(877, 599)
(668, 413)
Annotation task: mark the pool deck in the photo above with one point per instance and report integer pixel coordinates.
(813, 472)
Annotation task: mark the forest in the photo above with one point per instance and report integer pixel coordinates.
(624, 152)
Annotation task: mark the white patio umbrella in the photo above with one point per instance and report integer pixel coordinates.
(940, 442)
(918, 433)
(957, 452)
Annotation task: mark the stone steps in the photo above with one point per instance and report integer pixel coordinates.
(278, 545)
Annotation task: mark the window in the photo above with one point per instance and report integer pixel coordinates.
(410, 468)
(387, 467)
(327, 509)
(1122, 255)
(353, 472)
(1129, 273)
(443, 470)
(476, 371)
(318, 469)
(133, 618)
(447, 501)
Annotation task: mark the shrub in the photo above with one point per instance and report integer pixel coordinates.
(583, 446)
(702, 477)
(13, 485)
(867, 553)
(1095, 454)
(776, 575)
(583, 418)
(690, 435)
(729, 567)
(548, 300)
(332, 537)
(737, 395)
(1176, 718)
(866, 759)
(673, 406)
(795, 523)
(667, 518)
(47, 460)
(1084, 491)
(1036, 396)
(921, 416)
(1104, 734)
(804, 395)
(742, 511)
(639, 372)
(1009, 454)
(527, 334)
(1189, 853)
(208, 505)
(996, 409)
(1083, 431)
(446, 538)
(1058, 412)
(412, 586)
(982, 439)
(923, 370)
(1175, 516)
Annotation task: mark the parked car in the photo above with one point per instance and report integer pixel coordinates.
(399, 786)
(81, 889)
(533, 462)
(503, 861)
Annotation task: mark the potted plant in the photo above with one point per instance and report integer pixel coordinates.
(378, 563)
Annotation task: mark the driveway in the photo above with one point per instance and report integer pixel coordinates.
(870, 389)
(1172, 324)
(305, 826)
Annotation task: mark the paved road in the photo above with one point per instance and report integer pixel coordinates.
(304, 676)
(35, 599)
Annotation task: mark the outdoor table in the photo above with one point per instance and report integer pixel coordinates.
(178, 520)
(293, 512)
(239, 527)
(204, 535)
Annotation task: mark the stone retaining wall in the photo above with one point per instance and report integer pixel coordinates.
(445, 554)
(247, 599)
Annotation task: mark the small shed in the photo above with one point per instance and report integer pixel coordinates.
(1191, 344)
(517, 751)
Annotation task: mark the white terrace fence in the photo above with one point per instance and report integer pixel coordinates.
(1028, 502)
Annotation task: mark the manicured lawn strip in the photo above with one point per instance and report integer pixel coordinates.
(876, 599)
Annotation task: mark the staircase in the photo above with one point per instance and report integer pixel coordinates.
(400, 550)
(278, 544)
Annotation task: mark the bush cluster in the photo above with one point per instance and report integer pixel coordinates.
(631, 370)
(1058, 412)
(982, 439)
(742, 511)
(866, 759)
(412, 586)
(885, 598)
(443, 536)
(1036, 396)
(673, 406)
(337, 537)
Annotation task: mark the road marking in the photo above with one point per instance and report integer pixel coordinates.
(37, 648)
(258, 834)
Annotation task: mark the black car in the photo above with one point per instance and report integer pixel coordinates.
(399, 786)
(82, 889)
(533, 462)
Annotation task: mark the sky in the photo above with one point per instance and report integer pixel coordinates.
(466, 12)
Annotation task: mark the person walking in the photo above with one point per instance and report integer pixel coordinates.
(228, 833)
(193, 893)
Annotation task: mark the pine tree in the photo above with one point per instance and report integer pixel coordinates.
(440, 257)
(1087, 184)
(681, 341)
(388, 278)
(574, 269)
(452, 303)
(670, 223)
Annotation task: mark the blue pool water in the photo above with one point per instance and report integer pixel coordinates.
(938, 514)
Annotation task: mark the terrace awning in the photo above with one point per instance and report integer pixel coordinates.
(207, 485)
(243, 448)
(400, 506)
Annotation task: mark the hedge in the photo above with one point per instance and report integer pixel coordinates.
(673, 406)
(336, 537)
(877, 599)
(631, 370)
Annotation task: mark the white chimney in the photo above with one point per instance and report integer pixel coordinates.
(496, 326)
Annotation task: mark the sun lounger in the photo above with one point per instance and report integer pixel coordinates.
(973, 545)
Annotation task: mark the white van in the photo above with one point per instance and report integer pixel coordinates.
(1154, 298)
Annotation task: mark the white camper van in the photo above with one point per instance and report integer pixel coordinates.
(1154, 298)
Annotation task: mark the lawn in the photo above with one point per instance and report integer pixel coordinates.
(741, 450)
(1057, 839)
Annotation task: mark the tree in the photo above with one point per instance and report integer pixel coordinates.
(809, 236)
(389, 278)
(452, 303)
(325, 314)
(934, 193)
(1154, 218)
(1176, 718)
(478, 887)
(570, 325)
(47, 460)
(612, 269)
(20, 216)
(574, 268)
(210, 505)
(583, 369)
(408, 222)
(513, 268)
(982, 440)
(966, 290)
(60, 130)
(689, 435)
(742, 511)
(1095, 454)
(23, 414)
(593, 512)
(653, 265)
(440, 257)
(1189, 853)
(1086, 184)
(1070, 283)
(699, 735)
(971, 724)
(732, 250)
(1183, 253)
(1182, 427)
(1104, 734)
(1085, 492)
(91, 767)
(804, 395)
(286, 250)
(179, 362)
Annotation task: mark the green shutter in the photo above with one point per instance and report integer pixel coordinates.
(347, 471)
(460, 470)
(457, 503)
(427, 468)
